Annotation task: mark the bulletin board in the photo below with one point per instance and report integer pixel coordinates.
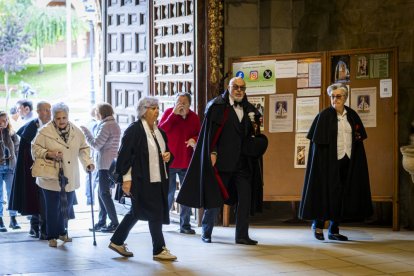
(366, 72)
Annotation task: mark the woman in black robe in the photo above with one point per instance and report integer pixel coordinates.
(143, 164)
(336, 186)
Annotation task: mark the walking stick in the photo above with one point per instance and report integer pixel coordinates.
(63, 181)
(93, 218)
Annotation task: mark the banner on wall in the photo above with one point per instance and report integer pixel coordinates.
(259, 76)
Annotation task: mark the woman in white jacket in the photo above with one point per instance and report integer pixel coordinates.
(60, 141)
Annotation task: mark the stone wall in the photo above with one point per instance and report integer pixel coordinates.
(255, 27)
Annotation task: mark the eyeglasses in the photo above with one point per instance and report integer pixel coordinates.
(236, 87)
(338, 97)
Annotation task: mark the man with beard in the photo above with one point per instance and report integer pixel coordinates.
(226, 161)
(25, 195)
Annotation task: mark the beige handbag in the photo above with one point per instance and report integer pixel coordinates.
(45, 169)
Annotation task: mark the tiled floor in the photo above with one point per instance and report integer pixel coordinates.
(287, 250)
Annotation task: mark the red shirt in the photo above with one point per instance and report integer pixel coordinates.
(180, 130)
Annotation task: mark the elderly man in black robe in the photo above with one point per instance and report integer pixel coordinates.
(25, 195)
(225, 167)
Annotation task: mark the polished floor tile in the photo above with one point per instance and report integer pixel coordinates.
(283, 249)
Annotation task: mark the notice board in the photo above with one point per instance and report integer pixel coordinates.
(290, 103)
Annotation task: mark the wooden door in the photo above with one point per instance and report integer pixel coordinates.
(125, 50)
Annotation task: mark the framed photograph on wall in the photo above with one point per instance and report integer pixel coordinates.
(340, 69)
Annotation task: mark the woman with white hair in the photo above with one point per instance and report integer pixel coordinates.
(60, 141)
(142, 162)
(336, 186)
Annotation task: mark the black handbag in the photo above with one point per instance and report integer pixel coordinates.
(113, 175)
(116, 179)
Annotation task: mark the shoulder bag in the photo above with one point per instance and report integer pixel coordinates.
(45, 168)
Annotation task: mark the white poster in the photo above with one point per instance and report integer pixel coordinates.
(386, 88)
(315, 74)
(286, 69)
(281, 113)
(259, 103)
(303, 68)
(306, 111)
(364, 102)
(259, 76)
(306, 92)
(301, 150)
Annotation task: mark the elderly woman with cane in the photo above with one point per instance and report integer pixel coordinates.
(61, 143)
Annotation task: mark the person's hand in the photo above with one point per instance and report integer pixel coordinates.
(84, 129)
(90, 168)
(126, 187)
(190, 143)
(54, 155)
(166, 156)
(178, 109)
(213, 157)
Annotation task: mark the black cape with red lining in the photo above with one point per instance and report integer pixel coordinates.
(200, 187)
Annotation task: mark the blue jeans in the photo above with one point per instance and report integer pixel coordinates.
(106, 204)
(207, 223)
(185, 212)
(6, 176)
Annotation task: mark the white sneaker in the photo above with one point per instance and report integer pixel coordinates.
(165, 255)
(53, 243)
(65, 238)
(121, 249)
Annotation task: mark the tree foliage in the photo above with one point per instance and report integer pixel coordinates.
(14, 42)
(48, 26)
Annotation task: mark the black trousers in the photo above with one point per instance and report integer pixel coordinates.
(240, 181)
(343, 165)
(128, 223)
(38, 221)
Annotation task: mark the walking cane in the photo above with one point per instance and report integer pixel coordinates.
(93, 218)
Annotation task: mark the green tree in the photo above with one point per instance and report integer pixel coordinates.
(47, 26)
(14, 43)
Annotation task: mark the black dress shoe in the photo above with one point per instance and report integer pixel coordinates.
(206, 239)
(13, 223)
(34, 234)
(337, 237)
(187, 231)
(98, 227)
(318, 234)
(246, 241)
(110, 228)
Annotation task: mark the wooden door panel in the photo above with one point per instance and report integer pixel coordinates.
(125, 56)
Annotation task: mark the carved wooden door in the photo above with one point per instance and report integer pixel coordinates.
(125, 66)
(172, 62)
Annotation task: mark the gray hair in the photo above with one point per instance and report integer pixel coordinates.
(233, 79)
(183, 94)
(336, 86)
(40, 104)
(144, 103)
(59, 107)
